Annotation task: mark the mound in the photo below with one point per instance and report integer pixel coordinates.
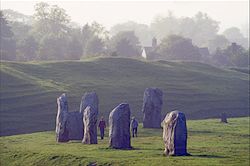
(29, 90)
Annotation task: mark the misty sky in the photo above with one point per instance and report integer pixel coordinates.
(108, 13)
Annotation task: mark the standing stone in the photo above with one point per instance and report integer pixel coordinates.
(90, 126)
(175, 134)
(223, 118)
(62, 133)
(152, 105)
(119, 125)
(89, 99)
(75, 125)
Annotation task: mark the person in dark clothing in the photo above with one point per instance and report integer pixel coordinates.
(134, 125)
(102, 126)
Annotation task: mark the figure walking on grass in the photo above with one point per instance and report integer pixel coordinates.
(102, 126)
(134, 125)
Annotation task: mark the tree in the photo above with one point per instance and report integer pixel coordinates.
(94, 38)
(200, 28)
(8, 44)
(234, 35)
(175, 47)
(94, 47)
(164, 26)
(203, 29)
(27, 49)
(26, 46)
(142, 31)
(75, 49)
(52, 47)
(58, 20)
(125, 44)
(14, 16)
(51, 30)
(50, 19)
(233, 55)
(219, 41)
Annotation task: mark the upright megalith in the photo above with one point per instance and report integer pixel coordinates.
(119, 125)
(75, 125)
(90, 125)
(152, 105)
(62, 132)
(175, 134)
(223, 118)
(69, 125)
(89, 99)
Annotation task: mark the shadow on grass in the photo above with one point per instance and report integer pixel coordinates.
(200, 132)
(207, 156)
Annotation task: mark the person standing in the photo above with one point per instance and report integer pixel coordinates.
(134, 125)
(102, 126)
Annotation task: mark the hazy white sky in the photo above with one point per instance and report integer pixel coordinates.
(108, 13)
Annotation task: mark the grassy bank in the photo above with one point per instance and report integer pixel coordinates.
(29, 90)
(209, 142)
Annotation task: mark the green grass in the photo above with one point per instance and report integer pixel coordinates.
(28, 91)
(209, 142)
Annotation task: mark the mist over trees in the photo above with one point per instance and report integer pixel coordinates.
(176, 47)
(199, 28)
(233, 55)
(8, 44)
(125, 44)
(142, 31)
(234, 34)
(50, 34)
(94, 38)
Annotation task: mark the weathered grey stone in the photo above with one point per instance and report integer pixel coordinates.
(75, 125)
(152, 105)
(90, 125)
(223, 118)
(175, 134)
(62, 133)
(89, 99)
(119, 125)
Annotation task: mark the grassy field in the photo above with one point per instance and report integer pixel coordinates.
(29, 90)
(209, 142)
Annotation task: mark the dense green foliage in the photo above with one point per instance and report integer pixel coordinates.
(125, 44)
(175, 47)
(29, 90)
(8, 44)
(50, 34)
(209, 142)
(234, 34)
(219, 41)
(233, 55)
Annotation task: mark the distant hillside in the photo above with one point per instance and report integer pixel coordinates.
(243, 70)
(29, 90)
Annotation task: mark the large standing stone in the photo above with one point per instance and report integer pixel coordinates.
(119, 125)
(89, 99)
(175, 134)
(152, 105)
(223, 118)
(75, 125)
(90, 125)
(62, 133)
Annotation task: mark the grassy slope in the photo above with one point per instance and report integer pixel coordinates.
(29, 90)
(209, 142)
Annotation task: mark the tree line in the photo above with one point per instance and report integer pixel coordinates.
(49, 34)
